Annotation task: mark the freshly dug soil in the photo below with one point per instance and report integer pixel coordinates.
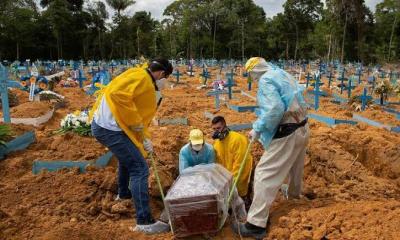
(30, 110)
(351, 178)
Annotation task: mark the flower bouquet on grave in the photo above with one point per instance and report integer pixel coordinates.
(76, 122)
(383, 89)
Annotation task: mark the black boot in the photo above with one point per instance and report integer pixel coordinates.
(249, 230)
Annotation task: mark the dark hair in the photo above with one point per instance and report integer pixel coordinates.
(218, 119)
(161, 64)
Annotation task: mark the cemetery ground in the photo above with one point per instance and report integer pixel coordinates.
(351, 175)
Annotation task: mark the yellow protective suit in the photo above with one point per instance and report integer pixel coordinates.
(230, 153)
(131, 98)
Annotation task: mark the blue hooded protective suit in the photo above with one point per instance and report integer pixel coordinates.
(280, 100)
(189, 158)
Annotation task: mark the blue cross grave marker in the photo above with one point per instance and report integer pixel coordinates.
(205, 76)
(81, 78)
(382, 75)
(342, 79)
(359, 74)
(177, 75)
(191, 71)
(330, 79)
(317, 92)
(230, 84)
(371, 80)
(5, 83)
(216, 94)
(308, 79)
(393, 79)
(350, 87)
(364, 99)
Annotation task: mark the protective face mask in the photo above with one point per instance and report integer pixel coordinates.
(215, 135)
(220, 135)
(197, 147)
(161, 83)
(158, 98)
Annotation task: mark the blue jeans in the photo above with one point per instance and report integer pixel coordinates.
(132, 169)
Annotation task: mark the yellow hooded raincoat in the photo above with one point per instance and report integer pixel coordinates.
(131, 98)
(230, 153)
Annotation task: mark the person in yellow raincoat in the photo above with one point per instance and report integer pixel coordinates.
(121, 117)
(230, 149)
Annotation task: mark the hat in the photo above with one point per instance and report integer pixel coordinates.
(196, 137)
(256, 64)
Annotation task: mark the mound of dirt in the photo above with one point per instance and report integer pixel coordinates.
(30, 109)
(69, 146)
(63, 200)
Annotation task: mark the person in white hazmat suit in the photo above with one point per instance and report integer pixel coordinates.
(282, 129)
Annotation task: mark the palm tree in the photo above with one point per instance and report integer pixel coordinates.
(120, 5)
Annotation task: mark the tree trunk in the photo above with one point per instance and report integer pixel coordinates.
(243, 40)
(329, 47)
(170, 42)
(17, 50)
(100, 48)
(287, 49)
(190, 46)
(155, 45)
(138, 42)
(344, 38)
(58, 46)
(297, 42)
(215, 33)
(391, 37)
(84, 48)
(112, 49)
(360, 25)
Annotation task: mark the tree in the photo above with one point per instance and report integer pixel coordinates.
(120, 5)
(387, 21)
(99, 15)
(302, 13)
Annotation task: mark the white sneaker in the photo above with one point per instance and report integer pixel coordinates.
(155, 228)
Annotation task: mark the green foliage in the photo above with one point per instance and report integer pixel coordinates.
(5, 134)
(306, 29)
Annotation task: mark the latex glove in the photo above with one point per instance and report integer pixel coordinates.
(253, 135)
(148, 145)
